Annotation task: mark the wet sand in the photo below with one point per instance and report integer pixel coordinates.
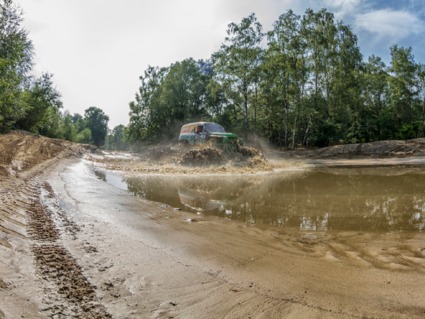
(90, 250)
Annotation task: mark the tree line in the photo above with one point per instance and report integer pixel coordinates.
(33, 103)
(304, 82)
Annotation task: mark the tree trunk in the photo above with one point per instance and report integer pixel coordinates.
(245, 108)
(294, 130)
(306, 132)
(286, 123)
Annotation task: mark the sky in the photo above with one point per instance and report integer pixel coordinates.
(98, 49)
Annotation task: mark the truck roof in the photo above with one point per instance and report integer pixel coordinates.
(196, 123)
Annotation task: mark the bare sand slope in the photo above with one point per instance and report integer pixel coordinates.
(72, 246)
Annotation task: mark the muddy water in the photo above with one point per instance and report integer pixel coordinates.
(353, 199)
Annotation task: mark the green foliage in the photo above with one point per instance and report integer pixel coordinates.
(144, 110)
(26, 102)
(117, 139)
(15, 62)
(69, 130)
(84, 136)
(402, 85)
(168, 97)
(97, 121)
(237, 65)
(44, 103)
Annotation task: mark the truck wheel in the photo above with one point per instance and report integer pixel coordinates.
(184, 143)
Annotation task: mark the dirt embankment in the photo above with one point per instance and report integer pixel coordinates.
(21, 151)
(32, 258)
(381, 149)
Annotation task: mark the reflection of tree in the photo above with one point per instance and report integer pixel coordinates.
(319, 223)
(100, 174)
(306, 200)
(417, 218)
(198, 200)
(154, 188)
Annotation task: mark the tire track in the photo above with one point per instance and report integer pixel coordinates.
(68, 293)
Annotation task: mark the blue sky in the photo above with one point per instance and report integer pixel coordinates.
(97, 49)
(380, 24)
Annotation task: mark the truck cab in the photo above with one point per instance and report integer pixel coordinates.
(199, 132)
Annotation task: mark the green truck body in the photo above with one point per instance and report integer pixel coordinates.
(200, 132)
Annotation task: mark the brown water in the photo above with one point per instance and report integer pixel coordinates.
(354, 199)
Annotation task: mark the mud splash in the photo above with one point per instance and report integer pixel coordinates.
(185, 160)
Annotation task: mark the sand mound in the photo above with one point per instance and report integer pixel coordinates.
(250, 152)
(203, 156)
(20, 151)
(390, 148)
(206, 156)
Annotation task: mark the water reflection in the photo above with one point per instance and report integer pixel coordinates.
(384, 199)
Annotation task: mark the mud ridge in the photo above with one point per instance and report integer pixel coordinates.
(68, 293)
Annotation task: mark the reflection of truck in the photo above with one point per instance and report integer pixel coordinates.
(197, 201)
(199, 132)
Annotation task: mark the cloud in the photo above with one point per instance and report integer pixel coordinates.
(343, 8)
(388, 23)
(267, 12)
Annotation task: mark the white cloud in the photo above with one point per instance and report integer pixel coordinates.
(392, 24)
(343, 8)
(267, 12)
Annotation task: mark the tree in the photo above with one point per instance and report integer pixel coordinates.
(97, 121)
(310, 80)
(403, 90)
(69, 129)
(116, 139)
(346, 88)
(184, 93)
(144, 110)
(375, 98)
(236, 65)
(284, 79)
(333, 59)
(15, 63)
(421, 99)
(168, 97)
(74, 128)
(43, 105)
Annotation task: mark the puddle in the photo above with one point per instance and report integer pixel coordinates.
(354, 199)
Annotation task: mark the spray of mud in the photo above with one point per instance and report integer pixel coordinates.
(172, 158)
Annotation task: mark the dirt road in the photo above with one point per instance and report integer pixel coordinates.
(74, 246)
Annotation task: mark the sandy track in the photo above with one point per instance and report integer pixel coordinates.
(66, 291)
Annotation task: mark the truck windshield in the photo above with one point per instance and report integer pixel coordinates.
(213, 127)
